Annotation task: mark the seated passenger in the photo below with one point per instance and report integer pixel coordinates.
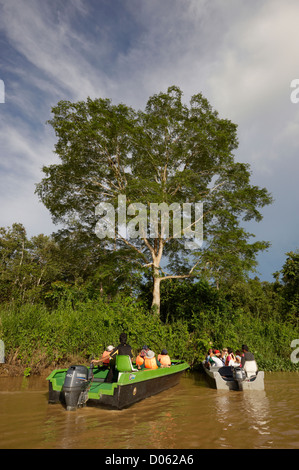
(223, 355)
(150, 361)
(215, 360)
(164, 358)
(106, 355)
(247, 355)
(207, 359)
(238, 357)
(122, 349)
(230, 358)
(140, 358)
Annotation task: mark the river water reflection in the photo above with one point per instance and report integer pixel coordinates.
(188, 416)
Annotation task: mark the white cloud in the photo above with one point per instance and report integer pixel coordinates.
(256, 60)
(22, 156)
(43, 35)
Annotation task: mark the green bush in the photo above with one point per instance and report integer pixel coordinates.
(35, 336)
(85, 329)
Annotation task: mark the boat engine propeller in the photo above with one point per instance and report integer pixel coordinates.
(75, 386)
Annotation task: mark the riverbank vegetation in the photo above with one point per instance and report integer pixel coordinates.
(52, 326)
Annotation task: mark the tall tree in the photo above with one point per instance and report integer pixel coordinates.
(290, 278)
(27, 266)
(170, 154)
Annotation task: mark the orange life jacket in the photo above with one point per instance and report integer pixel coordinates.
(139, 360)
(106, 361)
(150, 363)
(164, 359)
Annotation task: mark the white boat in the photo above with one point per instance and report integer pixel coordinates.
(236, 378)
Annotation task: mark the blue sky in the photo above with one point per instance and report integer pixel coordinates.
(241, 55)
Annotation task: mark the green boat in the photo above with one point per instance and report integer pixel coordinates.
(80, 385)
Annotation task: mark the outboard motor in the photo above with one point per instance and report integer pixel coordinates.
(74, 388)
(239, 375)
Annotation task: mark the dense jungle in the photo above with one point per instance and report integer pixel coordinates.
(54, 310)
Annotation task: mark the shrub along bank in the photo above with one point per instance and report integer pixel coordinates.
(36, 337)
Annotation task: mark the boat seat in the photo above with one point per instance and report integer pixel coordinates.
(225, 371)
(124, 364)
(250, 368)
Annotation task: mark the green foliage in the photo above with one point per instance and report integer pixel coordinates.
(290, 289)
(56, 312)
(169, 153)
(27, 266)
(36, 336)
(32, 333)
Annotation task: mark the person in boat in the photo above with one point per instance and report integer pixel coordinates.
(140, 358)
(122, 349)
(247, 355)
(230, 358)
(106, 355)
(215, 360)
(164, 358)
(150, 361)
(238, 357)
(207, 359)
(223, 355)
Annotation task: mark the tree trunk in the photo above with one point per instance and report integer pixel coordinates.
(156, 292)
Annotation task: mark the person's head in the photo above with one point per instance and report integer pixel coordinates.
(110, 348)
(150, 354)
(229, 350)
(145, 347)
(245, 347)
(216, 352)
(123, 338)
(164, 352)
(225, 350)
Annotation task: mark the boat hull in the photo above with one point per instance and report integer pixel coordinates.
(222, 378)
(127, 395)
(130, 387)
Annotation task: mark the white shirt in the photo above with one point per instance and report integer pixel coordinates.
(218, 362)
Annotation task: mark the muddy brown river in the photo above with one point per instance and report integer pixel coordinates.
(188, 416)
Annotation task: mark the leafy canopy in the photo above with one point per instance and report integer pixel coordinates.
(171, 153)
